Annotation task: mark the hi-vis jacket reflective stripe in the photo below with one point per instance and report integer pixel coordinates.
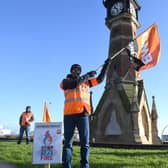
(78, 99)
(25, 118)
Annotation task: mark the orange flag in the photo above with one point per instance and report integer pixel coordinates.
(148, 47)
(46, 115)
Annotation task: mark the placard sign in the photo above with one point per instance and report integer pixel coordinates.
(47, 145)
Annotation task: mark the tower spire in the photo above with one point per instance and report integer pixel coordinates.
(154, 114)
(154, 117)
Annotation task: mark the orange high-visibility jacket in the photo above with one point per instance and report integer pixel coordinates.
(25, 118)
(78, 99)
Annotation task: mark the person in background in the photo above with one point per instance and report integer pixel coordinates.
(77, 109)
(25, 122)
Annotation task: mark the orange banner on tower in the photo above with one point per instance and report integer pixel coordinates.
(149, 47)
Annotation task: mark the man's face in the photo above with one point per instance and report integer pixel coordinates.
(28, 109)
(76, 72)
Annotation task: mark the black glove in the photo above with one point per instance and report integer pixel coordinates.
(86, 77)
(82, 79)
(107, 61)
(91, 74)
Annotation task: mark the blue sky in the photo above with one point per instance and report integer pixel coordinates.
(40, 40)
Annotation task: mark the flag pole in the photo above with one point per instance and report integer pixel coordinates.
(116, 54)
(112, 57)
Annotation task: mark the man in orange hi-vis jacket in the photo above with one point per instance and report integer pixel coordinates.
(25, 122)
(77, 109)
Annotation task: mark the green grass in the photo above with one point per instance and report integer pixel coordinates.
(21, 155)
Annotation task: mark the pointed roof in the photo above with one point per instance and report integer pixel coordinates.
(154, 114)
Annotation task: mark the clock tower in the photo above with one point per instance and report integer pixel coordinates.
(122, 115)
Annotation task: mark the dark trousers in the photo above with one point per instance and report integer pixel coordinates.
(82, 124)
(25, 129)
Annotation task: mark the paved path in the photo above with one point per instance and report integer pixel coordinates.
(6, 165)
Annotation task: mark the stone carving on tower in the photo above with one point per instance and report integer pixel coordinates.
(122, 115)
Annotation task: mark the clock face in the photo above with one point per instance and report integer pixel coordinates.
(117, 8)
(132, 10)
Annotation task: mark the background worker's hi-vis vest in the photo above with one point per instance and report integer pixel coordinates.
(78, 99)
(25, 118)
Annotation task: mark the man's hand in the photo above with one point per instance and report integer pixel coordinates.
(86, 77)
(91, 74)
(107, 61)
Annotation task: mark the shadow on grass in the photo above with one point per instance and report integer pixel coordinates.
(131, 154)
(29, 165)
(126, 165)
(92, 165)
(99, 165)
